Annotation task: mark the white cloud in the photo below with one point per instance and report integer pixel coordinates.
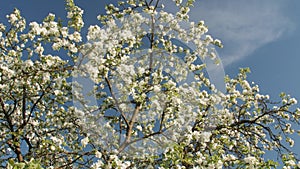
(243, 25)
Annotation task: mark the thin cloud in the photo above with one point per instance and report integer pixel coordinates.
(242, 25)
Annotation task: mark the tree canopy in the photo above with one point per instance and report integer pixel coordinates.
(155, 105)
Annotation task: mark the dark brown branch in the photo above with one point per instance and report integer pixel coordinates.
(130, 128)
(116, 101)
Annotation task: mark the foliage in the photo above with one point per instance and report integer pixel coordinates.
(157, 108)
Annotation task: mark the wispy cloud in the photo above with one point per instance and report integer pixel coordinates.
(243, 25)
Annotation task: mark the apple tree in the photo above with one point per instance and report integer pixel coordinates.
(155, 105)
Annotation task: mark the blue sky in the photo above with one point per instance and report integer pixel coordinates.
(260, 34)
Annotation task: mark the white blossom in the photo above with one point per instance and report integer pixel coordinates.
(250, 160)
(98, 154)
(85, 141)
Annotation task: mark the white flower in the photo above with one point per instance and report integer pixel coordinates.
(219, 164)
(206, 136)
(139, 127)
(97, 165)
(73, 48)
(208, 38)
(250, 160)
(8, 150)
(28, 63)
(57, 92)
(290, 141)
(75, 37)
(156, 89)
(98, 154)
(293, 101)
(290, 163)
(35, 27)
(39, 49)
(12, 18)
(85, 141)
(56, 140)
(52, 148)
